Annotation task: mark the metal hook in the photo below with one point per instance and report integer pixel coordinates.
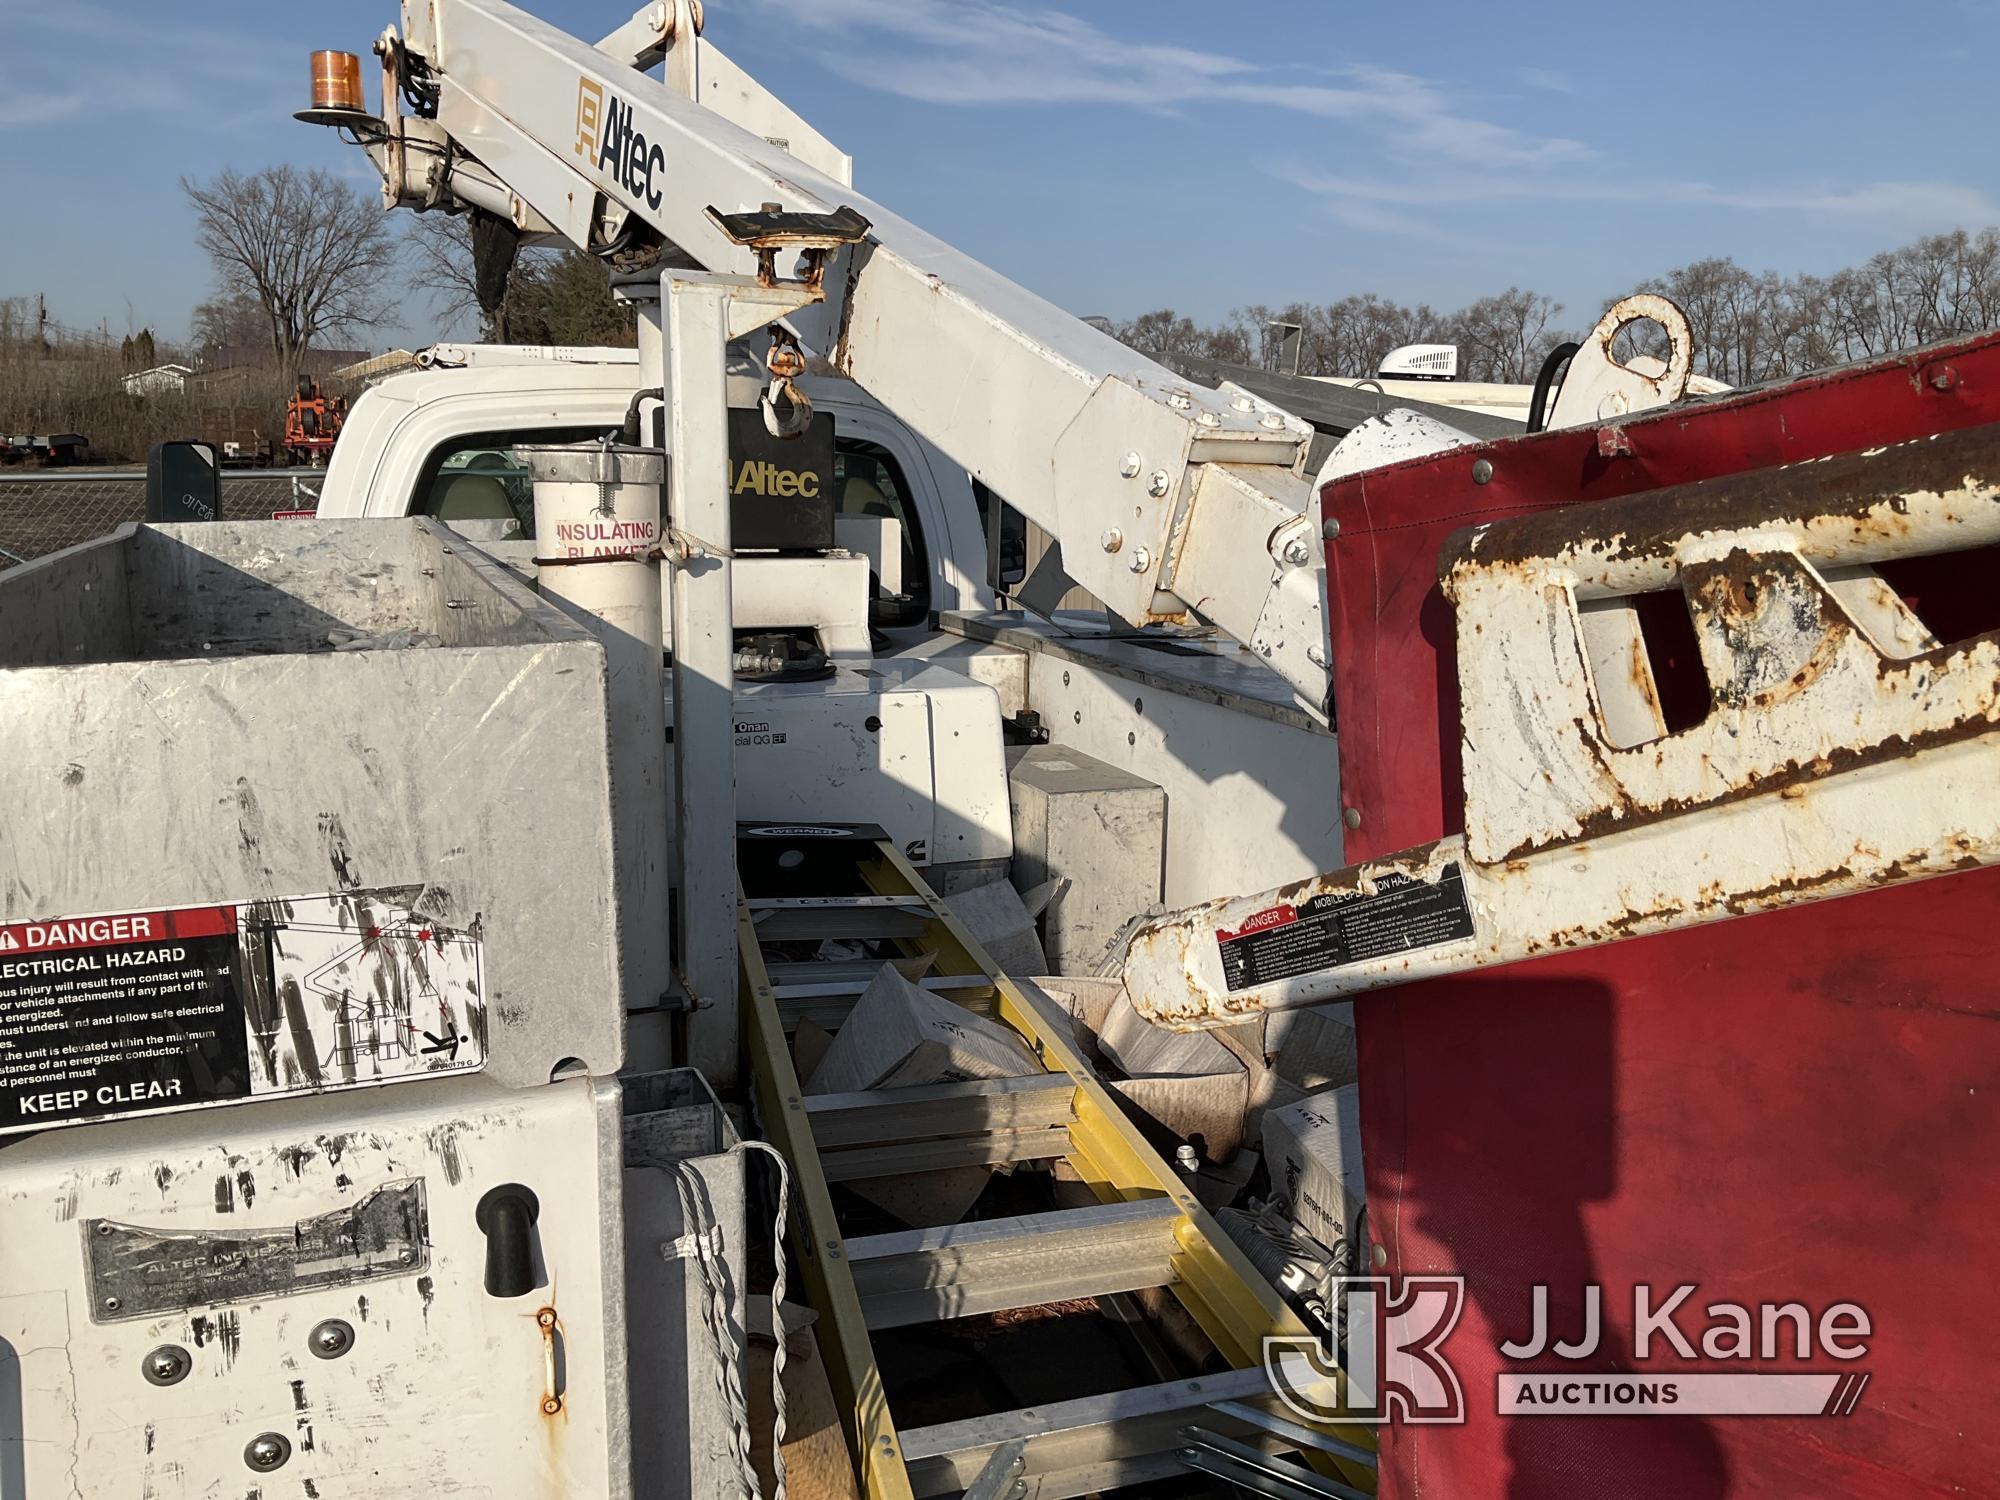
(787, 412)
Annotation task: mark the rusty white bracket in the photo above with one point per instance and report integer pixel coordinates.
(1808, 674)
(1844, 749)
(1601, 387)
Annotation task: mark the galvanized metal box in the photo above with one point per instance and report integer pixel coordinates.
(295, 807)
(1101, 828)
(684, 1180)
(290, 1299)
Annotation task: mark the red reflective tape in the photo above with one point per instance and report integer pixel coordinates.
(201, 921)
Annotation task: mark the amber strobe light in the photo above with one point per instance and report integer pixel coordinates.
(336, 81)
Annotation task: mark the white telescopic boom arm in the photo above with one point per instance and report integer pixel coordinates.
(1173, 503)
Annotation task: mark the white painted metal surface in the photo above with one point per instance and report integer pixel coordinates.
(913, 748)
(1250, 798)
(438, 1388)
(182, 728)
(597, 514)
(1098, 828)
(998, 378)
(1599, 386)
(1392, 437)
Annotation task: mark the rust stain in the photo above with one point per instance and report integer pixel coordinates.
(1868, 490)
(1776, 631)
(551, 1330)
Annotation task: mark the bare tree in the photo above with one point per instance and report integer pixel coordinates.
(1741, 320)
(310, 249)
(549, 297)
(441, 264)
(1748, 326)
(229, 318)
(1505, 336)
(1160, 333)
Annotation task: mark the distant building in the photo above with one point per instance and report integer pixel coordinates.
(317, 362)
(161, 380)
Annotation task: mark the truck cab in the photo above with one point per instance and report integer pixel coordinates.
(444, 441)
(1192, 715)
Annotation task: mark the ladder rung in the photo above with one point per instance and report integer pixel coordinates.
(1306, 1439)
(1246, 1467)
(914, 1112)
(793, 923)
(1098, 1442)
(937, 984)
(798, 903)
(899, 1159)
(993, 1265)
(813, 970)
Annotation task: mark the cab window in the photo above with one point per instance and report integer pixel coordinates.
(871, 484)
(479, 484)
(1006, 540)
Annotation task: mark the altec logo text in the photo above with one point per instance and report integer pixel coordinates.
(605, 136)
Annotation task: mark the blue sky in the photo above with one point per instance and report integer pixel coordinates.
(1118, 155)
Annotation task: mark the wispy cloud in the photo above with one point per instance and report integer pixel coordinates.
(1441, 153)
(1908, 205)
(981, 52)
(37, 106)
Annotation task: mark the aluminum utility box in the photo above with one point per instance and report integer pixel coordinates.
(913, 748)
(1102, 829)
(288, 1299)
(677, 1136)
(290, 808)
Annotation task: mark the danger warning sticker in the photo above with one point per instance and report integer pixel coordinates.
(136, 1012)
(1339, 928)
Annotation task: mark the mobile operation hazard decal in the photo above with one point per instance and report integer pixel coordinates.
(137, 1012)
(1338, 928)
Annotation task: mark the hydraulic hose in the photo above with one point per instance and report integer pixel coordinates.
(1538, 404)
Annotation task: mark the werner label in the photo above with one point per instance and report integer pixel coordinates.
(1337, 928)
(134, 1012)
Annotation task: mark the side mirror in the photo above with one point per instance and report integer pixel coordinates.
(183, 482)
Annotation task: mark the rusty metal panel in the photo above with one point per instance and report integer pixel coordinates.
(1796, 1106)
(1799, 689)
(1391, 628)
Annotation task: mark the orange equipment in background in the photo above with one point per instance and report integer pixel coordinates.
(312, 422)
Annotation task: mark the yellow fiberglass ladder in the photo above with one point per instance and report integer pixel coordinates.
(1139, 1242)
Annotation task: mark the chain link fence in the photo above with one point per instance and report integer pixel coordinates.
(45, 512)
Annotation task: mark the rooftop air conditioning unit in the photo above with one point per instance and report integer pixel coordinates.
(1421, 362)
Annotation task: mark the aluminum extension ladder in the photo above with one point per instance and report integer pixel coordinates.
(1147, 1229)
